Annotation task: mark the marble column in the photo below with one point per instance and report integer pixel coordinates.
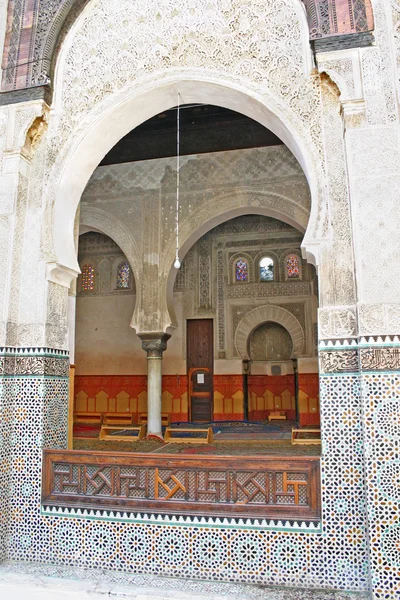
(154, 345)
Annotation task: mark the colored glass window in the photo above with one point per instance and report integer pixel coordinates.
(266, 269)
(293, 266)
(88, 278)
(123, 276)
(241, 270)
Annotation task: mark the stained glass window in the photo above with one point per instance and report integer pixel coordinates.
(266, 269)
(241, 270)
(123, 276)
(88, 278)
(293, 266)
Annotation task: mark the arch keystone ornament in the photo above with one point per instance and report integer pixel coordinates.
(263, 314)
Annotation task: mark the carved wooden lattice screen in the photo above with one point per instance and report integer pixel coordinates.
(223, 486)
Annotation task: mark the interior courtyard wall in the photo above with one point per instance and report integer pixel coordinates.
(102, 326)
(110, 363)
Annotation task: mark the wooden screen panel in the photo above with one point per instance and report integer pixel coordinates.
(224, 486)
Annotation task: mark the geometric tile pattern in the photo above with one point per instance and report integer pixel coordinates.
(33, 415)
(380, 393)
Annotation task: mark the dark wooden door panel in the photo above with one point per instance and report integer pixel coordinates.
(200, 362)
(200, 344)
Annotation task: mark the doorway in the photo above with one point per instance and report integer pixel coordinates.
(200, 366)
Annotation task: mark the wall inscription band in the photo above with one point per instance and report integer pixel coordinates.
(339, 361)
(380, 359)
(245, 487)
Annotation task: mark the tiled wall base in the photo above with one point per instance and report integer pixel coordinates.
(128, 393)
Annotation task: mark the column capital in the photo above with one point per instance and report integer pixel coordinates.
(154, 343)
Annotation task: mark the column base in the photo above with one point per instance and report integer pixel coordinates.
(155, 436)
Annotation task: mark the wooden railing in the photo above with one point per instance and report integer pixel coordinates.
(219, 486)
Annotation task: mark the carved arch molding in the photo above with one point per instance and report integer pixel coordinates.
(35, 31)
(264, 314)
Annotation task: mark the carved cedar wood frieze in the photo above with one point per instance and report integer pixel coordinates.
(250, 487)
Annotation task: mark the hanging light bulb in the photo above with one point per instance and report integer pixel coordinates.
(177, 262)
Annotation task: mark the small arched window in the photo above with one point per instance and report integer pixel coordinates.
(292, 266)
(266, 269)
(123, 276)
(88, 278)
(241, 270)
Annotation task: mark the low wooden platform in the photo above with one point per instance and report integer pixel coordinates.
(165, 419)
(88, 417)
(278, 415)
(118, 418)
(298, 439)
(116, 433)
(171, 437)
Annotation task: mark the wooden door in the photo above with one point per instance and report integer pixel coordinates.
(200, 365)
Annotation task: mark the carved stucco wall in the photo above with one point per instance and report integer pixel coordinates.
(88, 100)
(83, 94)
(263, 314)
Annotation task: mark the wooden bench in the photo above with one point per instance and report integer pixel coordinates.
(172, 435)
(118, 418)
(88, 417)
(278, 415)
(308, 440)
(115, 433)
(165, 419)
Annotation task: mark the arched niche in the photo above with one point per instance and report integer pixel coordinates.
(268, 313)
(270, 341)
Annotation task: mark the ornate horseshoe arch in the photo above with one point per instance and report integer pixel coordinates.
(261, 315)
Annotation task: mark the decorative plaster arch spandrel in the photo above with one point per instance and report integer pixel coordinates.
(263, 314)
(45, 25)
(121, 64)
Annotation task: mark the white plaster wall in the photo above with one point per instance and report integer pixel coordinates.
(105, 342)
(307, 365)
